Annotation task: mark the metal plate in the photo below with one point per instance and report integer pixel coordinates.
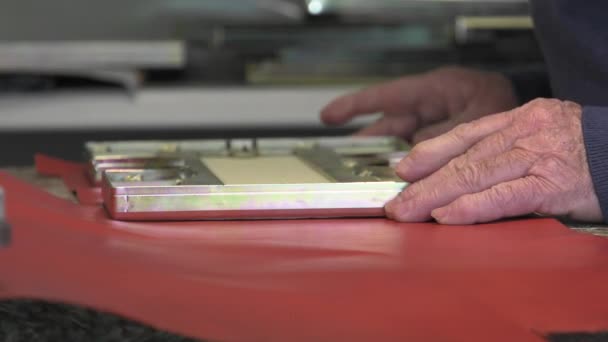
(247, 178)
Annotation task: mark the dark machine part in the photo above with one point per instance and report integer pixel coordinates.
(5, 228)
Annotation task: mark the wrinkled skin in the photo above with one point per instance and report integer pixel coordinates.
(421, 107)
(528, 160)
(525, 160)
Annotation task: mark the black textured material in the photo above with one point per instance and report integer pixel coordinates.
(530, 84)
(578, 337)
(35, 321)
(5, 234)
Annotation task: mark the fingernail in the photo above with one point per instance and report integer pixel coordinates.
(389, 207)
(404, 166)
(399, 209)
(392, 206)
(441, 214)
(389, 210)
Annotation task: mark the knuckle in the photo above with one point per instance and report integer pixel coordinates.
(546, 167)
(544, 109)
(461, 131)
(500, 141)
(538, 191)
(456, 164)
(497, 141)
(539, 114)
(528, 145)
(466, 206)
(573, 108)
(543, 102)
(536, 102)
(504, 196)
(503, 139)
(520, 154)
(553, 176)
(551, 164)
(470, 177)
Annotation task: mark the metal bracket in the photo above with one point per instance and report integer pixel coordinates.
(242, 148)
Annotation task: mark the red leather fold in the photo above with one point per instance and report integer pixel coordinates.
(74, 177)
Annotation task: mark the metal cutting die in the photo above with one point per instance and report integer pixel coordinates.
(247, 178)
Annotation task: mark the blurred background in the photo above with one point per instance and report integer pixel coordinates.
(78, 70)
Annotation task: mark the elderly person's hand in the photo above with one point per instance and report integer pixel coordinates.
(528, 160)
(421, 107)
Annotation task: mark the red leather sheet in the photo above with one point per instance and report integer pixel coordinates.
(329, 280)
(74, 177)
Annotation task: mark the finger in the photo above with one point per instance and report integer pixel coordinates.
(394, 97)
(494, 144)
(391, 126)
(433, 131)
(519, 197)
(418, 200)
(381, 127)
(428, 156)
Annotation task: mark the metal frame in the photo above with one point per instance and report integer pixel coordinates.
(186, 190)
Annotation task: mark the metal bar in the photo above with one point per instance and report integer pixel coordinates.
(329, 163)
